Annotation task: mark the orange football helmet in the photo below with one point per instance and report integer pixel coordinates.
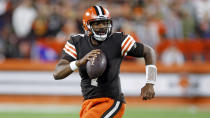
(94, 14)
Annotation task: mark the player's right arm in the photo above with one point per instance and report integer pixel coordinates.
(69, 63)
(62, 69)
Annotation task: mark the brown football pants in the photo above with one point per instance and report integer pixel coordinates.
(102, 108)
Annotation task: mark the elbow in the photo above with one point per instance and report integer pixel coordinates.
(148, 51)
(152, 52)
(149, 55)
(57, 76)
(60, 75)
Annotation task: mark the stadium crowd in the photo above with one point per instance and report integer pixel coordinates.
(28, 26)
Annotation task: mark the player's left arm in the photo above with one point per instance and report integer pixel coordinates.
(145, 51)
(147, 92)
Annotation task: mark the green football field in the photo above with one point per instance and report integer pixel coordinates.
(11, 111)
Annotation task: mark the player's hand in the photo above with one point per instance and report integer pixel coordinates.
(89, 56)
(147, 92)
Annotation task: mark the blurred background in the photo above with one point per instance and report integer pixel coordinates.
(33, 33)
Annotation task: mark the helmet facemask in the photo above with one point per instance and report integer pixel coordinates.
(100, 29)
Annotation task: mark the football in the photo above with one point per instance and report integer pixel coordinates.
(96, 67)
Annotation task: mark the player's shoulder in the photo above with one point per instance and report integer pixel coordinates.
(117, 34)
(120, 36)
(75, 38)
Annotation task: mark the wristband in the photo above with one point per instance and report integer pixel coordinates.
(151, 74)
(73, 65)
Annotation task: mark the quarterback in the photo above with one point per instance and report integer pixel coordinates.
(103, 97)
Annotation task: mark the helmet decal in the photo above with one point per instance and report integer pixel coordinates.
(99, 10)
(102, 10)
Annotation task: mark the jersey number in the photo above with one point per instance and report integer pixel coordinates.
(94, 82)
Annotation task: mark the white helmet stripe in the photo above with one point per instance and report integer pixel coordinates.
(99, 10)
(103, 12)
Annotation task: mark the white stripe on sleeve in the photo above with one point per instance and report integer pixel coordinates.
(129, 39)
(69, 53)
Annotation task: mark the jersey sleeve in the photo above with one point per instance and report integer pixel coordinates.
(69, 51)
(127, 44)
(137, 50)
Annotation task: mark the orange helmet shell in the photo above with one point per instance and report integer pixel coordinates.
(94, 13)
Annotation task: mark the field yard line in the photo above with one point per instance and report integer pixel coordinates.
(39, 108)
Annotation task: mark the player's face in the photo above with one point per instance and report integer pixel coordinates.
(100, 27)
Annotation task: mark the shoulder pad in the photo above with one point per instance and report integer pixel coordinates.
(118, 33)
(77, 37)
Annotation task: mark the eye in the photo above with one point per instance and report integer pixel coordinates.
(96, 23)
(105, 22)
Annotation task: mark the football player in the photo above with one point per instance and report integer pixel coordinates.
(103, 97)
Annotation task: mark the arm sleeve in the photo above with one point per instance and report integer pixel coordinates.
(69, 51)
(137, 50)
